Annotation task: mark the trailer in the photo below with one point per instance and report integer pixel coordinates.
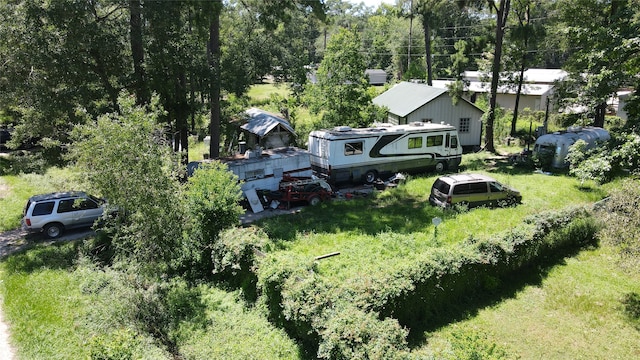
(344, 154)
(292, 190)
(260, 169)
(558, 143)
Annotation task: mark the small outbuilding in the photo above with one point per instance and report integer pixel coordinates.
(266, 130)
(413, 102)
(376, 76)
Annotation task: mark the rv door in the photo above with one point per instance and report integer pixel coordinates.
(451, 145)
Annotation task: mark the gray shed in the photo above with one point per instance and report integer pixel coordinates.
(376, 76)
(412, 102)
(267, 130)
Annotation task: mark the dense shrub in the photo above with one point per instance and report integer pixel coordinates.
(413, 294)
(620, 216)
(133, 315)
(352, 333)
(213, 196)
(124, 158)
(631, 308)
(601, 164)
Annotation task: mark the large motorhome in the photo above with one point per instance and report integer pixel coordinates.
(558, 143)
(344, 154)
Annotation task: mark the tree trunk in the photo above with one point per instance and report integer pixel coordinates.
(501, 20)
(214, 73)
(524, 23)
(600, 113)
(427, 45)
(182, 116)
(517, 104)
(137, 52)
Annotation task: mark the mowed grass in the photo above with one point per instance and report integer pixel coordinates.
(573, 312)
(16, 189)
(44, 304)
(264, 91)
(395, 226)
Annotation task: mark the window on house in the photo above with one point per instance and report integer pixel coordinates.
(415, 142)
(434, 140)
(353, 148)
(465, 124)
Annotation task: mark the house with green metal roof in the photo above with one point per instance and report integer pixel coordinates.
(409, 102)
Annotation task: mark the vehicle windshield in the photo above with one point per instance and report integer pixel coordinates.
(441, 186)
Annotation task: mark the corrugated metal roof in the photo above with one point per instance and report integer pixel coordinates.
(481, 87)
(405, 97)
(262, 122)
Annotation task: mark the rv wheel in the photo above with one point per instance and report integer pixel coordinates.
(440, 167)
(370, 176)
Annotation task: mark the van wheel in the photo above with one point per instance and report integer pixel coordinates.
(53, 231)
(370, 176)
(440, 167)
(504, 203)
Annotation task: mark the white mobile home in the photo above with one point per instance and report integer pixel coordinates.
(559, 143)
(344, 154)
(264, 169)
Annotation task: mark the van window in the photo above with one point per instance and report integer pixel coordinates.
(495, 187)
(478, 188)
(353, 148)
(43, 208)
(415, 142)
(471, 188)
(441, 186)
(434, 140)
(461, 189)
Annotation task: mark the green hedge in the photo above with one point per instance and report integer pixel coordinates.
(368, 316)
(420, 291)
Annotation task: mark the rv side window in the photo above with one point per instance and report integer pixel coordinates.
(353, 148)
(415, 143)
(434, 140)
(454, 142)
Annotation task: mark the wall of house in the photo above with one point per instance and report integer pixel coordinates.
(442, 110)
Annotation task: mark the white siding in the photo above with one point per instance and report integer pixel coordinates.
(441, 109)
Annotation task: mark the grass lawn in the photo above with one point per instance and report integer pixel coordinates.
(264, 91)
(573, 312)
(395, 226)
(16, 189)
(570, 310)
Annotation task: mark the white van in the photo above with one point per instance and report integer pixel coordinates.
(344, 154)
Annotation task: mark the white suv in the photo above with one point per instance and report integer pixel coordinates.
(55, 212)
